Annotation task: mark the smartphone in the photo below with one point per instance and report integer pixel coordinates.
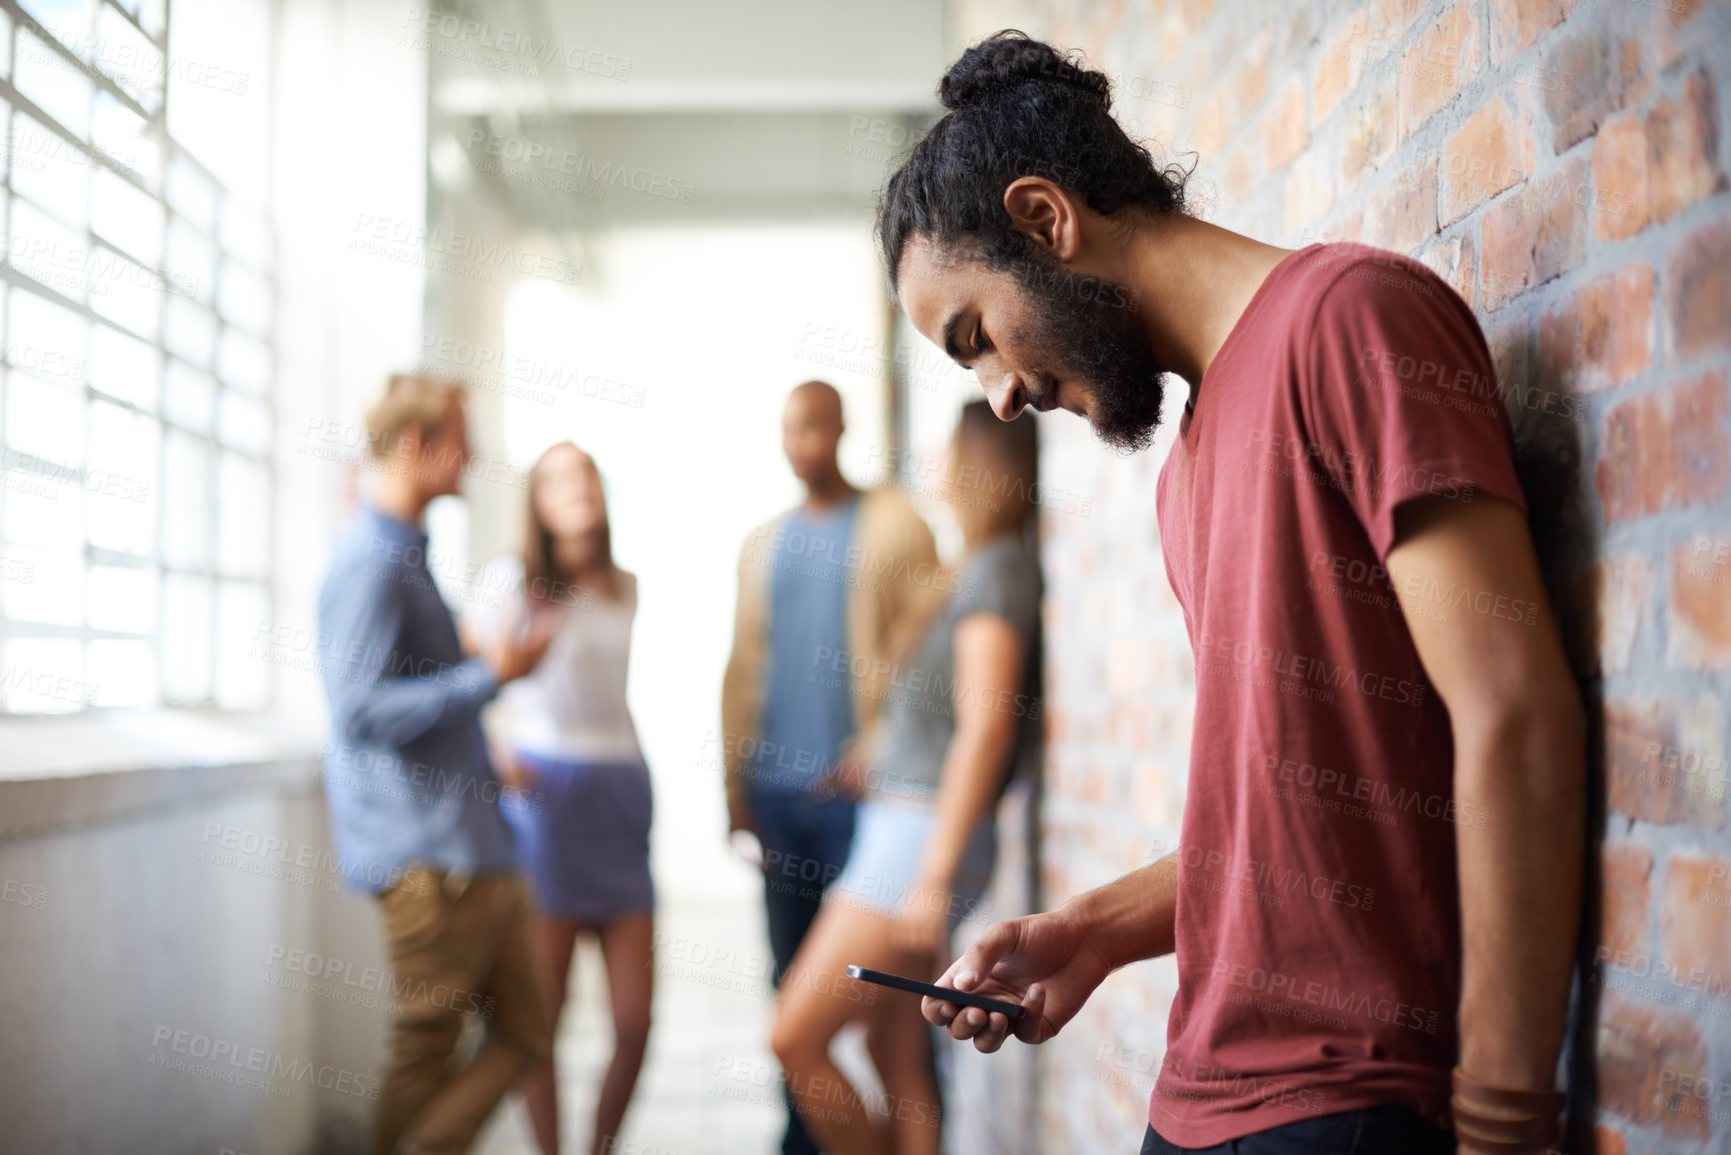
(948, 994)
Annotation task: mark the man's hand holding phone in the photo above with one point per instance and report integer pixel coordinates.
(1044, 962)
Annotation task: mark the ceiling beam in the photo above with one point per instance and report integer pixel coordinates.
(487, 96)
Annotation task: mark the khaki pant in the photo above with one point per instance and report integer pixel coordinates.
(456, 950)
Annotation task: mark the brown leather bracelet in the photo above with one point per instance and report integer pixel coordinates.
(1542, 1138)
(1501, 1100)
(1498, 1120)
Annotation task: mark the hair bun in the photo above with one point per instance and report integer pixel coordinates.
(1010, 58)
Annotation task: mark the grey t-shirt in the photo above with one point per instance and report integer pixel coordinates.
(918, 711)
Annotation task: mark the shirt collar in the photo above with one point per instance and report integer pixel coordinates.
(401, 531)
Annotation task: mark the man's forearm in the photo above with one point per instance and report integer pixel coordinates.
(1132, 918)
(1520, 876)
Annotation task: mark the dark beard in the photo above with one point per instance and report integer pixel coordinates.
(1092, 335)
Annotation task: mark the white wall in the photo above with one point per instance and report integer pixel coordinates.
(349, 157)
(138, 976)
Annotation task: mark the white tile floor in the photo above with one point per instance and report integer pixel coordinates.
(708, 1085)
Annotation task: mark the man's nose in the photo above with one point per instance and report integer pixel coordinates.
(1006, 400)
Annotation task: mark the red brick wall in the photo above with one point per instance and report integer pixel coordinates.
(1561, 165)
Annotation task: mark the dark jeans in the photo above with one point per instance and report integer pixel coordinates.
(805, 843)
(1391, 1128)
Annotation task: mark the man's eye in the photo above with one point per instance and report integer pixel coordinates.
(980, 342)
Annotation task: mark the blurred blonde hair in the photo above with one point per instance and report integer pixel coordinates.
(409, 400)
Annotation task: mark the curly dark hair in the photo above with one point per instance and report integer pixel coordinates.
(1018, 107)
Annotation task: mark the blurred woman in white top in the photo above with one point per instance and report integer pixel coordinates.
(569, 746)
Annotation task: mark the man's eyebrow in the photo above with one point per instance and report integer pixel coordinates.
(950, 338)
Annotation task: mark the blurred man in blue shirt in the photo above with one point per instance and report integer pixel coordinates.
(414, 801)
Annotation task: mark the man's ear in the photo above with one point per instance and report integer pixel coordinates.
(1045, 212)
(408, 443)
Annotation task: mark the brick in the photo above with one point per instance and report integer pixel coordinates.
(1557, 355)
(1492, 151)
(1664, 450)
(1215, 119)
(1510, 344)
(1298, 32)
(1385, 25)
(1347, 228)
(1625, 868)
(1620, 601)
(1339, 67)
(1156, 793)
(1284, 134)
(1130, 726)
(1249, 83)
(1659, 23)
(1695, 920)
(1637, 77)
(1616, 313)
(1535, 233)
(1699, 625)
(1515, 26)
(1452, 260)
(1126, 667)
(1436, 66)
(1583, 83)
(1683, 148)
(1648, 746)
(1242, 172)
(1643, 1053)
(1401, 212)
(1309, 188)
(1698, 292)
(1370, 134)
(1622, 187)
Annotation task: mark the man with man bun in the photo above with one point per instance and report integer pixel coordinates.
(1375, 904)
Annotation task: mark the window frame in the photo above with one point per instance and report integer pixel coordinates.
(74, 480)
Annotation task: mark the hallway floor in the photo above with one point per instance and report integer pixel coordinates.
(709, 1083)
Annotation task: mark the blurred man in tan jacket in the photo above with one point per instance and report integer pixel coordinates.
(830, 593)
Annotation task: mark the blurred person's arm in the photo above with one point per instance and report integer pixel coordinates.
(739, 688)
(380, 692)
(479, 627)
(918, 585)
(1519, 781)
(988, 673)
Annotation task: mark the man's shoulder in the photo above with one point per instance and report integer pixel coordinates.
(353, 549)
(886, 504)
(1348, 276)
(763, 536)
(366, 563)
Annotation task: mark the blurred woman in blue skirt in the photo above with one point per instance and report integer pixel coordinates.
(567, 743)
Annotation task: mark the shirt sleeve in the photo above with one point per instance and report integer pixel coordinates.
(1401, 398)
(1007, 585)
(379, 692)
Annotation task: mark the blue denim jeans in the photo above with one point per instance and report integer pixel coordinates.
(805, 845)
(1391, 1129)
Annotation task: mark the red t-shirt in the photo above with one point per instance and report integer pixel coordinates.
(1318, 933)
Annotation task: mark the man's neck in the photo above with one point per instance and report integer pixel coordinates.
(1194, 281)
(822, 496)
(405, 502)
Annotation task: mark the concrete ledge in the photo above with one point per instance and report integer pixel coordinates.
(69, 772)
